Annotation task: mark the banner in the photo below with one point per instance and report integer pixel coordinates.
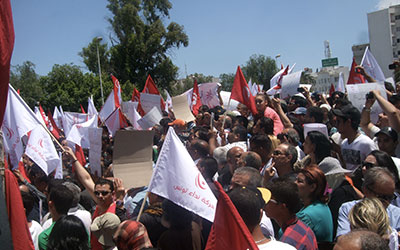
(290, 83)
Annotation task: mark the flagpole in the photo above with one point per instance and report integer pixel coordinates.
(102, 123)
(33, 115)
(142, 206)
(223, 123)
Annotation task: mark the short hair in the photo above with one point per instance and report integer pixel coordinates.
(317, 113)
(200, 146)
(248, 202)
(219, 154)
(255, 179)
(367, 240)
(28, 200)
(389, 86)
(300, 101)
(314, 175)
(267, 125)
(62, 199)
(384, 160)
(374, 175)
(293, 152)
(252, 159)
(370, 214)
(103, 182)
(241, 131)
(322, 145)
(286, 191)
(68, 232)
(293, 135)
(76, 191)
(261, 141)
(242, 120)
(210, 165)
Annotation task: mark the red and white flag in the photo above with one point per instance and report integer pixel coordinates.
(116, 121)
(228, 230)
(117, 92)
(196, 101)
(113, 100)
(354, 77)
(168, 103)
(177, 178)
(72, 118)
(241, 91)
(79, 133)
(6, 48)
(371, 66)
(18, 121)
(276, 80)
(41, 150)
(57, 116)
(136, 98)
(151, 88)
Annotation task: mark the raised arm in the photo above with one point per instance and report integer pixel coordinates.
(390, 110)
(365, 122)
(276, 104)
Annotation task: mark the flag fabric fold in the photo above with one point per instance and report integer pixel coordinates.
(151, 88)
(340, 87)
(228, 230)
(371, 66)
(113, 100)
(176, 177)
(196, 101)
(241, 91)
(168, 103)
(355, 77)
(79, 133)
(91, 108)
(116, 121)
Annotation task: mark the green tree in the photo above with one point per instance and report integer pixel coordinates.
(89, 55)
(307, 78)
(140, 42)
(260, 69)
(226, 81)
(24, 78)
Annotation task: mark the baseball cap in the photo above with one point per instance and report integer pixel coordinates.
(104, 227)
(389, 131)
(265, 193)
(300, 111)
(348, 112)
(178, 122)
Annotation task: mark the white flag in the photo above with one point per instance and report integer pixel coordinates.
(71, 118)
(41, 150)
(130, 109)
(115, 122)
(79, 133)
(168, 103)
(340, 87)
(177, 178)
(95, 150)
(59, 171)
(57, 116)
(18, 121)
(371, 66)
(91, 108)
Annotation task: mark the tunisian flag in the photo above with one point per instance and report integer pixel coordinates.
(228, 230)
(151, 88)
(21, 236)
(6, 48)
(136, 98)
(354, 77)
(196, 101)
(241, 92)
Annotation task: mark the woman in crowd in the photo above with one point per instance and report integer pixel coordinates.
(315, 213)
(371, 215)
(68, 233)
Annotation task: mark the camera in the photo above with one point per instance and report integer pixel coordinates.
(358, 70)
(392, 66)
(369, 95)
(300, 90)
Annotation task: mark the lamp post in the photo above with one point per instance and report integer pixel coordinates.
(276, 58)
(98, 39)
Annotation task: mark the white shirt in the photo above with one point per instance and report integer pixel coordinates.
(266, 226)
(35, 229)
(274, 244)
(356, 152)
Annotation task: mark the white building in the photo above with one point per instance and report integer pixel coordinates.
(384, 36)
(328, 75)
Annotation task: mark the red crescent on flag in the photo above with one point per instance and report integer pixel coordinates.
(41, 143)
(10, 132)
(200, 184)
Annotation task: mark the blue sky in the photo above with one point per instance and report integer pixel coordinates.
(222, 34)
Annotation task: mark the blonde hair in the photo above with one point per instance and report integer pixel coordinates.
(371, 215)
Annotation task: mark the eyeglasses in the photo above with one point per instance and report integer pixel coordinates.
(103, 193)
(383, 197)
(277, 152)
(368, 165)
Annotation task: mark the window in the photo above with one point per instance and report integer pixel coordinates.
(398, 52)
(397, 17)
(397, 28)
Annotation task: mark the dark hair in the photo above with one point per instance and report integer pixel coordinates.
(210, 165)
(242, 120)
(384, 160)
(252, 159)
(53, 183)
(255, 178)
(389, 86)
(68, 232)
(178, 217)
(267, 125)
(317, 113)
(248, 202)
(314, 175)
(28, 200)
(322, 145)
(286, 191)
(241, 131)
(62, 198)
(103, 181)
(300, 101)
(201, 146)
(261, 141)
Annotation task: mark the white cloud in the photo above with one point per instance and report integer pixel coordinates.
(383, 4)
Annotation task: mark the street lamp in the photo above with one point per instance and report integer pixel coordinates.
(276, 58)
(98, 39)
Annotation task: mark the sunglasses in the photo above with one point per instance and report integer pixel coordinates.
(368, 165)
(103, 193)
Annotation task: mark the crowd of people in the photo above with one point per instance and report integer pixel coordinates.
(321, 190)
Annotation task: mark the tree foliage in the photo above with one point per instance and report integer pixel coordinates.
(188, 83)
(260, 69)
(141, 41)
(226, 81)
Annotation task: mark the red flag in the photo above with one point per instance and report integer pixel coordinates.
(18, 91)
(354, 77)
(83, 111)
(46, 121)
(80, 156)
(20, 234)
(241, 92)
(151, 88)
(136, 98)
(228, 230)
(196, 101)
(117, 91)
(6, 48)
(279, 82)
(332, 89)
(21, 169)
(55, 130)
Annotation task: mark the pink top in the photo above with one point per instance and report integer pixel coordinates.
(270, 113)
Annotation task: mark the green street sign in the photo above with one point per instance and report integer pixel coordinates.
(329, 62)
